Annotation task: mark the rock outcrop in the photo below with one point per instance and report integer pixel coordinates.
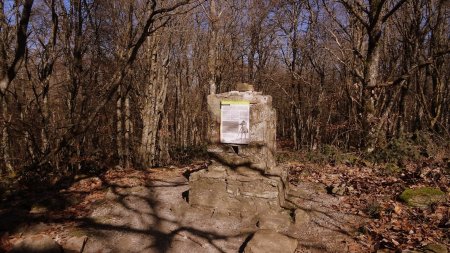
(37, 244)
(268, 241)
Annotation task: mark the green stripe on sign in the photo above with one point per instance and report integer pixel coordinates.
(234, 102)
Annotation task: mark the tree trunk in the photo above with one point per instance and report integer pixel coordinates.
(119, 128)
(128, 131)
(45, 118)
(368, 96)
(5, 137)
(154, 99)
(212, 54)
(9, 66)
(317, 113)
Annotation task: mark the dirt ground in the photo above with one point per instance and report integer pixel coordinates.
(127, 210)
(147, 211)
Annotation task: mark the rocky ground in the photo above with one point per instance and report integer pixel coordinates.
(339, 209)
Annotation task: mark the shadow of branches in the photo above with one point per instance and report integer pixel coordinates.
(139, 214)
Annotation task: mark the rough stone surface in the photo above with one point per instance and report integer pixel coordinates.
(37, 244)
(243, 179)
(259, 153)
(301, 217)
(422, 197)
(229, 191)
(155, 218)
(276, 221)
(245, 171)
(75, 244)
(305, 190)
(94, 246)
(435, 248)
(268, 241)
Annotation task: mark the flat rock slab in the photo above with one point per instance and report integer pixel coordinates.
(155, 218)
(435, 248)
(75, 244)
(269, 241)
(276, 221)
(228, 191)
(37, 244)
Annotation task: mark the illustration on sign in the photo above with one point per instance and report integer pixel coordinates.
(235, 122)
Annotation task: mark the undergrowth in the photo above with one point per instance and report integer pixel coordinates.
(392, 155)
(187, 155)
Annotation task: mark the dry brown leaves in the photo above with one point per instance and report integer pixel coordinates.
(373, 192)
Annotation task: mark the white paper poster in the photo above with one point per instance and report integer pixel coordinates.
(235, 122)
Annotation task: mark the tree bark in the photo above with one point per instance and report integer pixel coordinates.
(154, 99)
(5, 137)
(128, 131)
(213, 44)
(119, 127)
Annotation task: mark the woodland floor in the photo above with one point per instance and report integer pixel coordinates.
(373, 191)
(147, 210)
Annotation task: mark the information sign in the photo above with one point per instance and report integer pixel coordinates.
(235, 122)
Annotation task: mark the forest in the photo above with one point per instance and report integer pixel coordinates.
(126, 81)
(87, 85)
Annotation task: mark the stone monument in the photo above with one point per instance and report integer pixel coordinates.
(243, 177)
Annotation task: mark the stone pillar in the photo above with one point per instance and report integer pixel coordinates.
(258, 154)
(243, 178)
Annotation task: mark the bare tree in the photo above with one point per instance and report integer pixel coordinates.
(213, 46)
(10, 62)
(353, 74)
(373, 17)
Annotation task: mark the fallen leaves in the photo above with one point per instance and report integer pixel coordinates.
(86, 185)
(373, 193)
(397, 208)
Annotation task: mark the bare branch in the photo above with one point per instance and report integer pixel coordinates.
(393, 10)
(352, 9)
(21, 43)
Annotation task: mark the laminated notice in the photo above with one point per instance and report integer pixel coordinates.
(235, 121)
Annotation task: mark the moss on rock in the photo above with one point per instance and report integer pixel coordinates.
(422, 197)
